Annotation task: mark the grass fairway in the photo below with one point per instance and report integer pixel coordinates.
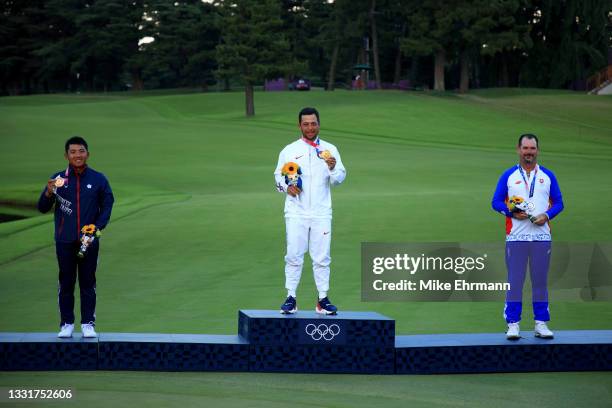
(197, 230)
(104, 389)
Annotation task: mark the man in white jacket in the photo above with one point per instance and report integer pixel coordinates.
(308, 210)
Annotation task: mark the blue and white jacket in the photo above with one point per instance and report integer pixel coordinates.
(545, 196)
(84, 199)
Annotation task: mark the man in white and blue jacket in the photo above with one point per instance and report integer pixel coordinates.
(528, 235)
(81, 196)
(308, 209)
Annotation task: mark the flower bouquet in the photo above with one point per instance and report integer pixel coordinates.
(518, 204)
(292, 173)
(88, 234)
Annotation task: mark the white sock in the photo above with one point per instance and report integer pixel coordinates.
(322, 295)
(291, 293)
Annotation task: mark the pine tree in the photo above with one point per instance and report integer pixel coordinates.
(252, 46)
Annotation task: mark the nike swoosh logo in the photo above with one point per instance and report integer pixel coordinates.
(297, 157)
(325, 233)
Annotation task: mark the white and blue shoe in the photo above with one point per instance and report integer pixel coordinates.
(290, 306)
(325, 307)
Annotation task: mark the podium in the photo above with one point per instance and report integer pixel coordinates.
(306, 342)
(570, 350)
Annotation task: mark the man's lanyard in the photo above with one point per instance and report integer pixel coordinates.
(313, 144)
(531, 189)
(66, 173)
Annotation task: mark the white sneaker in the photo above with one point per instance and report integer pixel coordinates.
(542, 330)
(66, 331)
(514, 332)
(88, 330)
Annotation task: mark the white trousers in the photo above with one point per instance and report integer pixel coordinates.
(313, 235)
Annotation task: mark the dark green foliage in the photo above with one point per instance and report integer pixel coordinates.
(96, 45)
(571, 39)
(182, 54)
(22, 32)
(253, 46)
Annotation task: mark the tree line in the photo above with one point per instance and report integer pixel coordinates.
(103, 45)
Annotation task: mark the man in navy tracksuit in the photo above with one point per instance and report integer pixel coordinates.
(82, 196)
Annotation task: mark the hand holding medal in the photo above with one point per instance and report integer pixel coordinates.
(329, 159)
(53, 184)
(518, 204)
(58, 182)
(325, 154)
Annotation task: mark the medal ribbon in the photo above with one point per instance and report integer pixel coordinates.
(531, 189)
(313, 144)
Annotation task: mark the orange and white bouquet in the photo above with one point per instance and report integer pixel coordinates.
(292, 172)
(519, 204)
(88, 234)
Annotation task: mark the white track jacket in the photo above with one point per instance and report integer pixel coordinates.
(315, 199)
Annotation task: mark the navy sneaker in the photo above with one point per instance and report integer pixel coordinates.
(290, 306)
(325, 307)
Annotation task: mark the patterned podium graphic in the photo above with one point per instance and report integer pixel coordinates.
(44, 351)
(172, 352)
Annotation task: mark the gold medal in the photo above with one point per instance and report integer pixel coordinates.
(325, 154)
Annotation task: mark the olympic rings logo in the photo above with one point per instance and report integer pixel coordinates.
(322, 331)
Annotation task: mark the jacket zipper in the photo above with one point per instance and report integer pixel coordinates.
(310, 178)
(78, 195)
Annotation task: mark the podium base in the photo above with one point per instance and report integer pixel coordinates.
(357, 342)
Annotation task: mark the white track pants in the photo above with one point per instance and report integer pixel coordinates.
(313, 235)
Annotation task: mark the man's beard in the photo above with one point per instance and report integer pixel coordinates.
(529, 159)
